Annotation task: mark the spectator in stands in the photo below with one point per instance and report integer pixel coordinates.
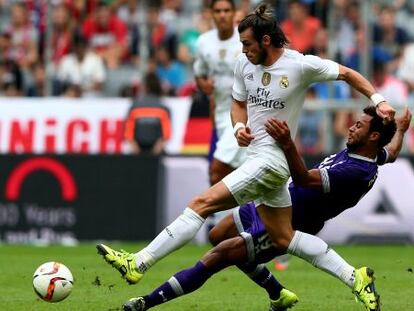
(378, 53)
(339, 90)
(148, 107)
(246, 5)
(63, 28)
(72, 91)
(82, 67)
(159, 34)
(4, 14)
(37, 12)
(392, 88)
(319, 9)
(171, 72)
(24, 37)
(11, 78)
(107, 35)
(169, 12)
(320, 45)
(405, 15)
(37, 87)
(129, 14)
(187, 47)
(205, 18)
(240, 14)
(310, 138)
(5, 46)
(300, 28)
(406, 68)
(81, 8)
(388, 36)
(348, 17)
(202, 22)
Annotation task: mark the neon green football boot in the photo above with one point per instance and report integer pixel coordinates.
(286, 301)
(364, 289)
(122, 261)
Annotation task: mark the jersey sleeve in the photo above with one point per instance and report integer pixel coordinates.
(316, 69)
(383, 156)
(239, 88)
(338, 177)
(200, 66)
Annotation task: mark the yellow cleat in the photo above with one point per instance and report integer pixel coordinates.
(122, 261)
(286, 301)
(364, 289)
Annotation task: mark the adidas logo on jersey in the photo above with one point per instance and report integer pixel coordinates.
(250, 77)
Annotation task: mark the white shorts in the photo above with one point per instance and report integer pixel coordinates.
(257, 181)
(227, 149)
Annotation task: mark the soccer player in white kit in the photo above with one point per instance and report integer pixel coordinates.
(217, 52)
(270, 82)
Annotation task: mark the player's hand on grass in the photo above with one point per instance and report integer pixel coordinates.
(403, 122)
(385, 111)
(244, 136)
(279, 130)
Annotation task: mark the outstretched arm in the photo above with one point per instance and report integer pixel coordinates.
(403, 123)
(300, 174)
(361, 84)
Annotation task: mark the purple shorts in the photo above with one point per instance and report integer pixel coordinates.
(258, 243)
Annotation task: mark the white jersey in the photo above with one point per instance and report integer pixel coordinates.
(278, 90)
(216, 59)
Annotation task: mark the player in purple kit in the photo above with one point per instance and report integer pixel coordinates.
(336, 184)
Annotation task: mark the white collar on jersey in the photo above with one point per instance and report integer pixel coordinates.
(359, 157)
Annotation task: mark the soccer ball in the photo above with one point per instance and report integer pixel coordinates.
(52, 281)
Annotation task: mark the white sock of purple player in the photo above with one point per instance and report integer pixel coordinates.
(317, 252)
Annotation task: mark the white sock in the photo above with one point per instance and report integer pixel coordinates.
(175, 235)
(317, 252)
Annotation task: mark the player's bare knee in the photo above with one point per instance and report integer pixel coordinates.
(202, 204)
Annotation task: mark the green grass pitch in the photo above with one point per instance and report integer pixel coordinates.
(99, 287)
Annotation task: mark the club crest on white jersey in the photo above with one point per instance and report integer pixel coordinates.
(278, 90)
(222, 53)
(284, 82)
(266, 78)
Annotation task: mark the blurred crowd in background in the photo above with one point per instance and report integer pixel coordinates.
(95, 48)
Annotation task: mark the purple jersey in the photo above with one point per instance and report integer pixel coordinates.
(346, 178)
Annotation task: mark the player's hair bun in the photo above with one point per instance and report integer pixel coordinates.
(261, 10)
(264, 12)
